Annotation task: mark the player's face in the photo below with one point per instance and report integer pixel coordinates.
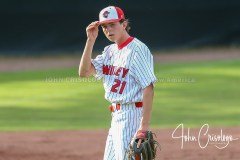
(113, 31)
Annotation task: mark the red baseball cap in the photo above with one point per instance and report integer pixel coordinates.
(111, 14)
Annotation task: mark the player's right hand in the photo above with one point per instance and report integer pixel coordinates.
(92, 30)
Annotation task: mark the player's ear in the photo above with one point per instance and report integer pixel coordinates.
(124, 23)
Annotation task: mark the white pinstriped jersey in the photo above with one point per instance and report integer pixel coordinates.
(126, 71)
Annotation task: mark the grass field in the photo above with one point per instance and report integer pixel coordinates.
(189, 93)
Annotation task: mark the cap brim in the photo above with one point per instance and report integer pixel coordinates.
(109, 21)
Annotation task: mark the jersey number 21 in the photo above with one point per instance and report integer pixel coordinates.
(118, 86)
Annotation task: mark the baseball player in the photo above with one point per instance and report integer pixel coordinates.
(126, 67)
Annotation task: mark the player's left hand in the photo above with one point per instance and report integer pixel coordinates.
(143, 144)
(141, 134)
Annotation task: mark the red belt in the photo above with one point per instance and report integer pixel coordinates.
(118, 106)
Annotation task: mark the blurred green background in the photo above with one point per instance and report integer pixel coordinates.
(192, 93)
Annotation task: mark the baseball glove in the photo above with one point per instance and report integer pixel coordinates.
(146, 150)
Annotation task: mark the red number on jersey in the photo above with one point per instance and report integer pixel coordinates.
(122, 87)
(117, 83)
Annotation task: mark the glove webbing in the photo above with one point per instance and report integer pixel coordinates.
(143, 150)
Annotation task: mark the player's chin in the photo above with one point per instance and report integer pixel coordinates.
(111, 38)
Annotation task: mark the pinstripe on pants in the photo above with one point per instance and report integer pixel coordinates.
(125, 123)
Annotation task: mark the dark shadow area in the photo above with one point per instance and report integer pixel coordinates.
(29, 27)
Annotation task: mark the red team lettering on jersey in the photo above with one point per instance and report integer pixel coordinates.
(114, 70)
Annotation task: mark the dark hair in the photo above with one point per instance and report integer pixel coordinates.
(128, 24)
